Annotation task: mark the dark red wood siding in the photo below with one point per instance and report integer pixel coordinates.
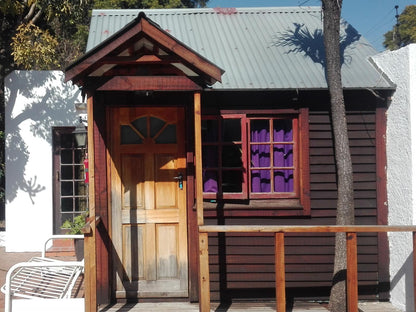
(243, 266)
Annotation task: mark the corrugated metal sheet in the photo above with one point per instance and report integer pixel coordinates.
(259, 48)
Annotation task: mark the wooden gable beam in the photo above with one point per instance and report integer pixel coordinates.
(146, 83)
(141, 26)
(87, 65)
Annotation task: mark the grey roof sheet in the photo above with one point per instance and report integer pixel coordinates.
(259, 48)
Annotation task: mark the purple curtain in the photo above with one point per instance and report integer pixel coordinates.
(282, 156)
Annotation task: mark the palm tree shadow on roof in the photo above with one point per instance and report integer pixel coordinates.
(300, 39)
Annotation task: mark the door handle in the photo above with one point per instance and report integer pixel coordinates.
(180, 180)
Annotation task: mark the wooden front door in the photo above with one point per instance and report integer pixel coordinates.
(148, 202)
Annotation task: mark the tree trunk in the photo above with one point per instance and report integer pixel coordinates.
(345, 203)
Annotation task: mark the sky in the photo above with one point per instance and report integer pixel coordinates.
(371, 18)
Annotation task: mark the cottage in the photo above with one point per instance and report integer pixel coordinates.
(252, 83)
(225, 112)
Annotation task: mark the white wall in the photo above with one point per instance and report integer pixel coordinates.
(400, 66)
(35, 102)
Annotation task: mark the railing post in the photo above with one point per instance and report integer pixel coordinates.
(279, 254)
(352, 272)
(204, 295)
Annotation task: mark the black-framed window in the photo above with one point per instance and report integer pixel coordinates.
(70, 190)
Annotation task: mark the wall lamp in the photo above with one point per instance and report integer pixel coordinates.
(80, 133)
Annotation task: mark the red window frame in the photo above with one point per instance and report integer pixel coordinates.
(300, 194)
(271, 168)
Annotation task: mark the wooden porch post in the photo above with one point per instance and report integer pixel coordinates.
(279, 254)
(204, 294)
(198, 158)
(90, 258)
(352, 274)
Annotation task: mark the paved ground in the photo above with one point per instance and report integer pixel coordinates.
(7, 260)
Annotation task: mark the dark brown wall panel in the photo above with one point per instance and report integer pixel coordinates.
(239, 262)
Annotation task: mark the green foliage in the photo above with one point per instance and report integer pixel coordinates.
(75, 226)
(34, 48)
(405, 32)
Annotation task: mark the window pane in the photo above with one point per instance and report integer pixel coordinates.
(67, 216)
(282, 130)
(66, 172)
(66, 188)
(79, 172)
(209, 156)
(231, 156)
(80, 188)
(67, 140)
(80, 204)
(260, 181)
(231, 130)
(67, 204)
(260, 155)
(232, 181)
(66, 157)
(283, 181)
(128, 136)
(260, 130)
(156, 125)
(168, 135)
(283, 155)
(210, 181)
(209, 130)
(78, 156)
(141, 125)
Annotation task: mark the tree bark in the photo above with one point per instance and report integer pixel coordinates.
(345, 203)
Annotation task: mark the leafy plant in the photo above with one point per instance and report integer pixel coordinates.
(75, 226)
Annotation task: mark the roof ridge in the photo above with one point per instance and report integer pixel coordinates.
(214, 10)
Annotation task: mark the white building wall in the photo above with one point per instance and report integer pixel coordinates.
(400, 66)
(35, 102)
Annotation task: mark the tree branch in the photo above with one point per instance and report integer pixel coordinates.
(37, 16)
(30, 13)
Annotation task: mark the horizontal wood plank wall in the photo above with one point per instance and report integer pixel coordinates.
(243, 266)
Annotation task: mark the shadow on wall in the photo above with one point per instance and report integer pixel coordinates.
(406, 271)
(45, 101)
(301, 40)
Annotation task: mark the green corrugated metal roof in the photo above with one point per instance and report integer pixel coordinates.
(259, 48)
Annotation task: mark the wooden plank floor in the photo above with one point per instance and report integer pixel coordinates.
(238, 307)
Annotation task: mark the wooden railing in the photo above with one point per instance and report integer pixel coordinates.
(279, 232)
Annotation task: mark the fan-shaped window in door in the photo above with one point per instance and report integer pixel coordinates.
(148, 127)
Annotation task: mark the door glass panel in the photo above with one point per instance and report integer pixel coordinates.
(128, 136)
(156, 125)
(168, 135)
(141, 125)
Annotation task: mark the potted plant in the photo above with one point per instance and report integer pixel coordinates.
(74, 227)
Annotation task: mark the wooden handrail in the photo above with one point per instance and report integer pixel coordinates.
(304, 228)
(279, 231)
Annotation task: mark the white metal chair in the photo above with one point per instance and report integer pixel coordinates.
(44, 283)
